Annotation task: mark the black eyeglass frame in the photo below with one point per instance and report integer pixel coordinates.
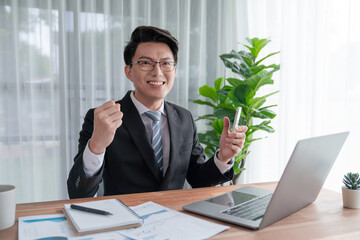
(153, 65)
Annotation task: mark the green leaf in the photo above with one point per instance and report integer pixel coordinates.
(224, 91)
(257, 69)
(241, 55)
(249, 60)
(210, 151)
(223, 94)
(234, 81)
(267, 112)
(258, 80)
(264, 114)
(201, 102)
(209, 138)
(239, 68)
(238, 158)
(264, 126)
(238, 170)
(252, 140)
(218, 125)
(256, 45)
(243, 93)
(241, 156)
(208, 92)
(253, 51)
(206, 117)
(271, 54)
(275, 67)
(219, 83)
(352, 180)
(262, 43)
(220, 113)
(258, 102)
(240, 64)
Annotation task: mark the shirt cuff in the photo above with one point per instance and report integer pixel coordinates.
(222, 166)
(91, 162)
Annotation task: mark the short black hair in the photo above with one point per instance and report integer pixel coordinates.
(149, 34)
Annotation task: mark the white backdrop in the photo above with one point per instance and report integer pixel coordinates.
(60, 58)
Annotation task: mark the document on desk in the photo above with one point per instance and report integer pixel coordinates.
(55, 226)
(159, 223)
(164, 223)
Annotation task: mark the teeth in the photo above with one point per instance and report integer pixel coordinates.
(156, 83)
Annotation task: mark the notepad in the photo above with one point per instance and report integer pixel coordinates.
(87, 223)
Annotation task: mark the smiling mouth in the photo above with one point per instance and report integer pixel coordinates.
(156, 83)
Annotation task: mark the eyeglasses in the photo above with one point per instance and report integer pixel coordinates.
(165, 66)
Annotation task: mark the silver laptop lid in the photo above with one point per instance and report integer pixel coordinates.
(300, 184)
(304, 176)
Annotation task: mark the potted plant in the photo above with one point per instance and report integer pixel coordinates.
(230, 93)
(350, 192)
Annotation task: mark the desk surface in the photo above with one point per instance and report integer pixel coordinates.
(324, 219)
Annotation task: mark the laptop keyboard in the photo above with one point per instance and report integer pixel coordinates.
(253, 209)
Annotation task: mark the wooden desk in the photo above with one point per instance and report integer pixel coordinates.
(324, 219)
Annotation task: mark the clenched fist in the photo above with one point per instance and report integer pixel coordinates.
(107, 118)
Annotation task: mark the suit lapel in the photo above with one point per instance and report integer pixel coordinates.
(175, 136)
(135, 126)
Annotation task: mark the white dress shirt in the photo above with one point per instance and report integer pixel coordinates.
(93, 162)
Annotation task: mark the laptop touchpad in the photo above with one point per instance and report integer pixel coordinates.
(231, 198)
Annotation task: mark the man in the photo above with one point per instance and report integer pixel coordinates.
(124, 145)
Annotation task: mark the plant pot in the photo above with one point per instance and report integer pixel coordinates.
(351, 198)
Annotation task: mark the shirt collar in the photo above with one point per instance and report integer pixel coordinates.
(141, 107)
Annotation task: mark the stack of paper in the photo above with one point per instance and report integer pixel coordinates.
(159, 223)
(86, 222)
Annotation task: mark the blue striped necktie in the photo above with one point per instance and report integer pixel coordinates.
(156, 137)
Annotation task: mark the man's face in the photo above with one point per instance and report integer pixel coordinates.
(151, 86)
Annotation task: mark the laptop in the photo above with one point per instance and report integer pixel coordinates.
(300, 184)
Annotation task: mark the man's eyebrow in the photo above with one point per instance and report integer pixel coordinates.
(145, 57)
(162, 59)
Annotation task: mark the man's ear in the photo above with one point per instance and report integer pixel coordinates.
(128, 72)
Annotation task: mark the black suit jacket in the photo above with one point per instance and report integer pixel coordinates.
(129, 165)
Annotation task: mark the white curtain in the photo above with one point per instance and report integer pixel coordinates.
(319, 83)
(321, 86)
(60, 58)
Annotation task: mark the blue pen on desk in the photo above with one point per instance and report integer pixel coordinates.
(89, 210)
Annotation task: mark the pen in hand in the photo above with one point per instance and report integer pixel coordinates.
(89, 210)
